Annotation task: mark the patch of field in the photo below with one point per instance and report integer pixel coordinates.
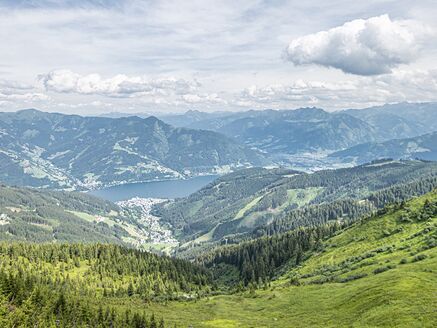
(42, 226)
(206, 237)
(94, 218)
(195, 207)
(14, 209)
(113, 213)
(83, 216)
(246, 208)
(302, 197)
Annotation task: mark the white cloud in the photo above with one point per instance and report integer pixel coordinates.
(364, 47)
(15, 91)
(240, 45)
(30, 96)
(300, 93)
(203, 98)
(125, 91)
(66, 81)
(362, 91)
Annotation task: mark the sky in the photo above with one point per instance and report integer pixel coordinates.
(93, 57)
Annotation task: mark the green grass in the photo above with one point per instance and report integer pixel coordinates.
(403, 296)
(247, 207)
(372, 244)
(203, 238)
(393, 286)
(83, 216)
(302, 197)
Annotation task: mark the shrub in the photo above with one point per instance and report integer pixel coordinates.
(419, 257)
(383, 269)
(352, 277)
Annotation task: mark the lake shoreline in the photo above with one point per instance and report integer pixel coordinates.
(168, 189)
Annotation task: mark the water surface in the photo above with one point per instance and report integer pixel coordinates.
(156, 189)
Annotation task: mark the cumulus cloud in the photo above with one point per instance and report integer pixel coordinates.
(66, 81)
(203, 98)
(310, 92)
(364, 46)
(128, 91)
(27, 97)
(362, 91)
(12, 91)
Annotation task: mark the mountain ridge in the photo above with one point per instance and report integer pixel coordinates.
(422, 147)
(71, 151)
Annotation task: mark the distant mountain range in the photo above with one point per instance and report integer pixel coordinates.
(424, 147)
(402, 120)
(74, 152)
(71, 151)
(295, 133)
(312, 129)
(292, 131)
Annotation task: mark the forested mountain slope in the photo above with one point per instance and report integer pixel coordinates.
(423, 147)
(401, 120)
(377, 272)
(71, 151)
(51, 285)
(33, 215)
(291, 131)
(261, 201)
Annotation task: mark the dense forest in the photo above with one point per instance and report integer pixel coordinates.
(275, 201)
(48, 283)
(248, 199)
(97, 285)
(257, 261)
(34, 215)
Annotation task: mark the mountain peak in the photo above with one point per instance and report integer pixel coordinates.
(29, 111)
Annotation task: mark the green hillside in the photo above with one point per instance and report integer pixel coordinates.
(256, 202)
(378, 272)
(33, 215)
(48, 285)
(423, 147)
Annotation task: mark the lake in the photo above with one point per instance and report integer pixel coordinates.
(155, 189)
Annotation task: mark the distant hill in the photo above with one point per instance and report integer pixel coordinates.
(190, 118)
(33, 215)
(291, 131)
(423, 147)
(256, 202)
(402, 120)
(69, 151)
(304, 136)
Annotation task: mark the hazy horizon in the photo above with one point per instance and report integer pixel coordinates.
(185, 111)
